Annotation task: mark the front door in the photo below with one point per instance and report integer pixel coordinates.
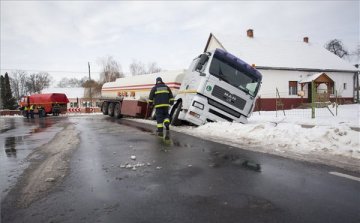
(309, 92)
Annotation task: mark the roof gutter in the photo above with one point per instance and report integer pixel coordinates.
(305, 69)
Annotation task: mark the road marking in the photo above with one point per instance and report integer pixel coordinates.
(345, 176)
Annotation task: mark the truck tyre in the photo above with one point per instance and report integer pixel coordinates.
(111, 109)
(117, 111)
(175, 121)
(104, 108)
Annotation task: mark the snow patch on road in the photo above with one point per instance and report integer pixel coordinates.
(49, 165)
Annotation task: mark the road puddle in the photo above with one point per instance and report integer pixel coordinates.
(219, 159)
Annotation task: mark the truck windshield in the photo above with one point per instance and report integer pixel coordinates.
(229, 73)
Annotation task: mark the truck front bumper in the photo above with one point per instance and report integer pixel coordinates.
(209, 113)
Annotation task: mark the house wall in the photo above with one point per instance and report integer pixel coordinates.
(273, 79)
(83, 102)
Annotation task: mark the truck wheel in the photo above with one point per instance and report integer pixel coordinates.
(111, 109)
(175, 121)
(104, 108)
(117, 111)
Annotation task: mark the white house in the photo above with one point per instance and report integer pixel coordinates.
(290, 66)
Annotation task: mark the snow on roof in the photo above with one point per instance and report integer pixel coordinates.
(275, 53)
(69, 91)
(311, 78)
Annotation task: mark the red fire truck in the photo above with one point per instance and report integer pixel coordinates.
(53, 103)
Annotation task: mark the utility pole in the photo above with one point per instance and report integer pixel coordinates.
(90, 87)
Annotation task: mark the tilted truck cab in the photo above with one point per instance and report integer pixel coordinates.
(217, 87)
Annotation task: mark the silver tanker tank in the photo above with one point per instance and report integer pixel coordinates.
(139, 87)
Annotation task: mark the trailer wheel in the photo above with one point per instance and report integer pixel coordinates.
(104, 108)
(175, 121)
(117, 111)
(111, 109)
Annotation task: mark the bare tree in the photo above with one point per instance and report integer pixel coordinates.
(153, 68)
(95, 88)
(356, 52)
(83, 81)
(72, 82)
(35, 83)
(43, 80)
(137, 68)
(64, 82)
(336, 47)
(111, 69)
(17, 81)
(30, 84)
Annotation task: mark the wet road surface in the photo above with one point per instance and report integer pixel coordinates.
(183, 179)
(18, 138)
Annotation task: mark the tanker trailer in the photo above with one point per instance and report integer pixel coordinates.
(129, 96)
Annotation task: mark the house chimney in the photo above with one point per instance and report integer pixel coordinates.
(250, 33)
(306, 39)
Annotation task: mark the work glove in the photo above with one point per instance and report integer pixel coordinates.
(150, 104)
(171, 102)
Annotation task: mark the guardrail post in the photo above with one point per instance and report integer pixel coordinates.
(312, 99)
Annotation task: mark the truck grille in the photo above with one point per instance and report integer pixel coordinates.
(229, 98)
(224, 108)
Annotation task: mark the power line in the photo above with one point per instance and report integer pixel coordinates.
(54, 71)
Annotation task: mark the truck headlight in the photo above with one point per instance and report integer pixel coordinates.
(198, 105)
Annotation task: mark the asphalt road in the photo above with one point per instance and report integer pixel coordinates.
(183, 179)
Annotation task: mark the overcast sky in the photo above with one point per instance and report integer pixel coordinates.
(64, 36)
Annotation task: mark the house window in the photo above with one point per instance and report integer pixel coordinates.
(332, 88)
(344, 86)
(293, 87)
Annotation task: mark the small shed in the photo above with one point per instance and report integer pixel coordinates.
(321, 94)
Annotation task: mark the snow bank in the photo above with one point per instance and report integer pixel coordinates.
(286, 137)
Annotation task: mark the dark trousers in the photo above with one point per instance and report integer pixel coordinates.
(40, 113)
(32, 114)
(27, 113)
(162, 115)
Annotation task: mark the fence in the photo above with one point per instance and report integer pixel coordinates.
(309, 104)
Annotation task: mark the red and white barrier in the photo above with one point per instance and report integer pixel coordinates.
(74, 109)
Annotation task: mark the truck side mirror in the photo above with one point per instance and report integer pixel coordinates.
(199, 67)
(201, 62)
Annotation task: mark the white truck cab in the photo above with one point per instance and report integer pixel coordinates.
(217, 87)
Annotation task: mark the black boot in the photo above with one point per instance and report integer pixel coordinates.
(160, 130)
(167, 125)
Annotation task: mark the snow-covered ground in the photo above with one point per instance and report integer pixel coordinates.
(331, 140)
